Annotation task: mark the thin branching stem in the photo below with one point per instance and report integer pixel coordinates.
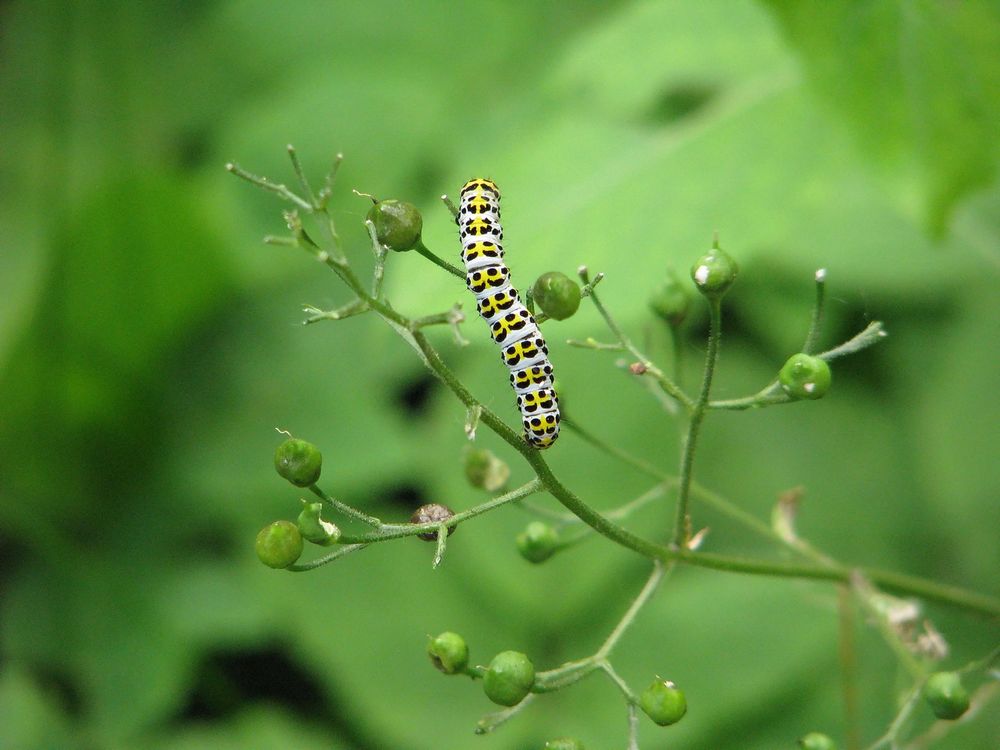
(816, 324)
(771, 394)
(328, 558)
(682, 523)
(659, 570)
(647, 366)
(388, 531)
(898, 582)
(346, 509)
(439, 261)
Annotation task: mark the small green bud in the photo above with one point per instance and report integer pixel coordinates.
(432, 513)
(946, 695)
(714, 272)
(805, 376)
(279, 544)
(509, 678)
(538, 542)
(484, 470)
(397, 224)
(314, 528)
(556, 295)
(298, 461)
(449, 652)
(663, 702)
(671, 300)
(564, 743)
(817, 741)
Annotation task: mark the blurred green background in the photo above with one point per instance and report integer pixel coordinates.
(150, 344)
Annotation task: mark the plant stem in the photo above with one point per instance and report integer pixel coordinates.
(389, 531)
(816, 324)
(344, 508)
(668, 386)
(681, 520)
(438, 261)
(973, 601)
(613, 450)
(640, 601)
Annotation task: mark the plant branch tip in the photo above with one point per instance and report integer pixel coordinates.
(820, 275)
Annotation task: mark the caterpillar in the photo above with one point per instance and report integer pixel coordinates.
(512, 327)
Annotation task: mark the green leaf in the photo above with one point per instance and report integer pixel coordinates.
(916, 81)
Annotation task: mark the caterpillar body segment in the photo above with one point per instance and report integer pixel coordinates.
(512, 327)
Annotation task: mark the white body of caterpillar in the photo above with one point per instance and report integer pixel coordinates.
(522, 346)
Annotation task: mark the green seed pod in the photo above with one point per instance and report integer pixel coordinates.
(714, 272)
(509, 678)
(298, 461)
(449, 652)
(484, 470)
(314, 528)
(431, 513)
(279, 544)
(946, 695)
(564, 743)
(817, 741)
(805, 376)
(538, 542)
(397, 224)
(663, 702)
(671, 300)
(556, 295)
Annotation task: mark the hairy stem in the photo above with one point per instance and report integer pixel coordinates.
(681, 520)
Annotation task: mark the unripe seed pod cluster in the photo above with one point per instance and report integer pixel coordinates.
(299, 462)
(556, 294)
(397, 224)
(538, 542)
(663, 702)
(279, 544)
(946, 695)
(714, 272)
(805, 376)
(485, 470)
(671, 300)
(509, 678)
(449, 652)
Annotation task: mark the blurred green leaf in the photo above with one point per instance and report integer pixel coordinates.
(916, 81)
(30, 715)
(150, 345)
